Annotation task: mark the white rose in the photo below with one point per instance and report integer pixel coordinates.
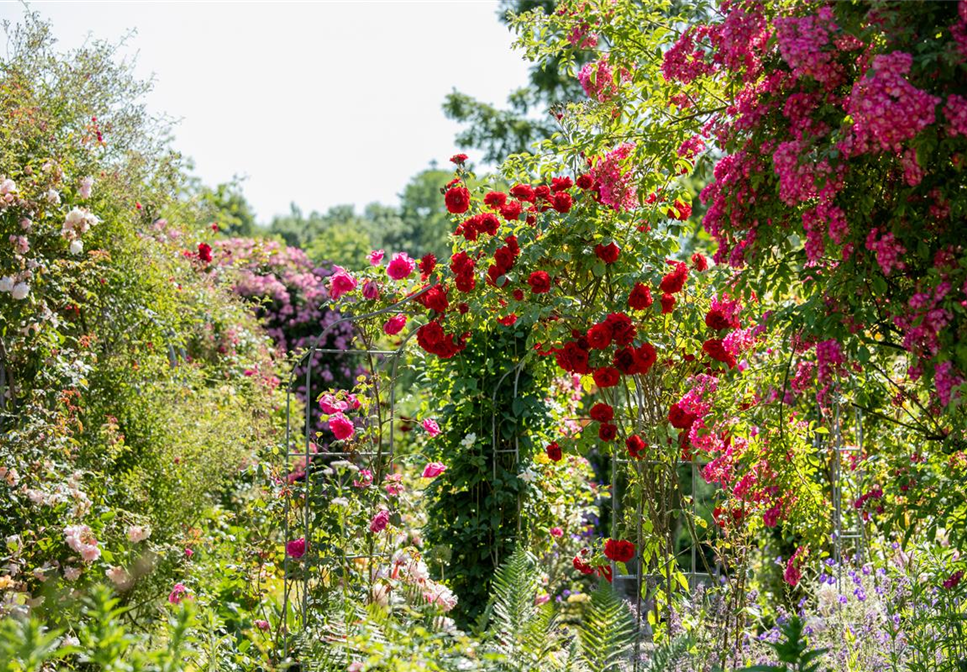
(77, 247)
(6, 283)
(20, 291)
(85, 190)
(53, 197)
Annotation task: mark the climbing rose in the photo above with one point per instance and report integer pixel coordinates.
(553, 451)
(205, 252)
(379, 521)
(619, 550)
(458, 158)
(370, 290)
(667, 303)
(495, 199)
(431, 427)
(177, 593)
(540, 282)
(400, 266)
(701, 263)
(433, 469)
(376, 257)
(341, 426)
(341, 282)
(606, 376)
(394, 325)
(602, 413)
(640, 297)
(635, 445)
(673, 282)
(607, 253)
(296, 548)
(457, 200)
(607, 431)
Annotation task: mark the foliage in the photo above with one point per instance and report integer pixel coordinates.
(607, 631)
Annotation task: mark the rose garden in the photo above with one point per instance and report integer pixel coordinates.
(677, 386)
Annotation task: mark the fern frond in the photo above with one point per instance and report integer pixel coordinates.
(607, 631)
(666, 656)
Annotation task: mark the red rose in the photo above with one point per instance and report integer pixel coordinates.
(205, 252)
(623, 330)
(585, 181)
(607, 431)
(667, 303)
(674, 281)
(680, 418)
(636, 446)
(435, 299)
(640, 297)
(572, 357)
(511, 210)
(607, 253)
(645, 358)
(542, 192)
(553, 451)
(562, 202)
(508, 321)
(581, 565)
(561, 183)
(458, 158)
(524, 192)
(457, 200)
(681, 211)
(619, 551)
(701, 263)
(606, 376)
(427, 264)
(605, 571)
(602, 413)
(626, 362)
(518, 295)
(599, 336)
(495, 199)
(715, 319)
(540, 282)
(715, 348)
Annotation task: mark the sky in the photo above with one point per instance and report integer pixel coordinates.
(314, 103)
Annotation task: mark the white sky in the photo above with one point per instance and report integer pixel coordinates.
(317, 103)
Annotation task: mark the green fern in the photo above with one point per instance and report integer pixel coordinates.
(607, 631)
(666, 656)
(521, 631)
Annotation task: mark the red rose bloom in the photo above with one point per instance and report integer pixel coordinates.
(205, 252)
(715, 348)
(524, 192)
(645, 358)
(606, 376)
(495, 199)
(674, 281)
(458, 158)
(680, 418)
(427, 264)
(602, 413)
(667, 303)
(573, 358)
(636, 446)
(562, 202)
(585, 181)
(623, 330)
(607, 253)
(540, 282)
(561, 183)
(435, 299)
(518, 295)
(626, 362)
(607, 431)
(508, 320)
(715, 319)
(553, 451)
(681, 211)
(640, 297)
(619, 551)
(581, 565)
(457, 200)
(599, 336)
(542, 192)
(700, 262)
(511, 210)
(605, 571)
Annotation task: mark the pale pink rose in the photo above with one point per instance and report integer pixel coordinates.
(431, 427)
(370, 290)
(81, 539)
(379, 521)
(137, 533)
(341, 283)
(330, 405)
(72, 573)
(433, 469)
(437, 593)
(341, 426)
(543, 598)
(296, 548)
(179, 592)
(376, 257)
(119, 577)
(557, 532)
(400, 266)
(393, 484)
(364, 480)
(394, 325)
(85, 189)
(355, 667)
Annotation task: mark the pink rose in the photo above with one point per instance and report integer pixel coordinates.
(557, 532)
(376, 257)
(177, 593)
(189, 553)
(296, 548)
(340, 283)
(370, 290)
(341, 426)
(393, 484)
(433, 469)
(394, 325)
(330, 405)
(431, 427)
(379, 521)
(262, 624)
(400, 266)
(365, 479)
